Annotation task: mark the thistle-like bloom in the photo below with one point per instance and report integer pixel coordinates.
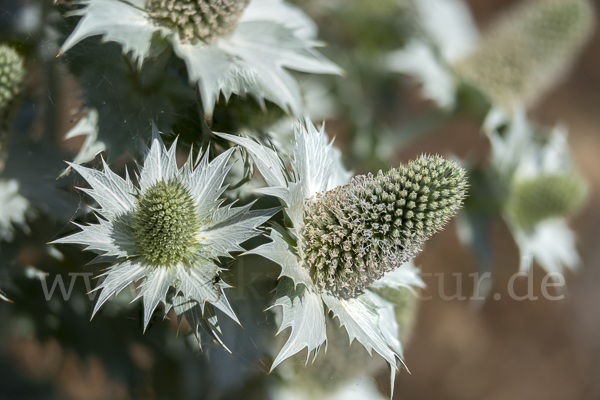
(12, 73)
(522, 55)
(528, 49)
(546, 196)
(325, 256)
(543, 188)
(229, 46)
(168, 231)
(355, 233)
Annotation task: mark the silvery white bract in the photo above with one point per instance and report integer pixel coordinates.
(517, 155)
(359, 389)
(448, 34)
(251, 60)
(91, 147)
(214, 232)
(315, 168)
(14, 209)
(3, 297)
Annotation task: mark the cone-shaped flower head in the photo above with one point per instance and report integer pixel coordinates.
(169, 231)
(195, 20)
(241, 47)
(545, 196)
(338, 229)
(528, 49)
(355, 233)
(12, 72)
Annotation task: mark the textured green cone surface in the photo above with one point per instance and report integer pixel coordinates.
(546, 196)
(198, 20)
(528, 49)
(165, 223)
(355, 233)
(11, 74)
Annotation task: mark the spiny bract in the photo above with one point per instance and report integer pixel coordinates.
(11, 74)
(198, 20)
(545, 196)
(355, 233)
(165, 223)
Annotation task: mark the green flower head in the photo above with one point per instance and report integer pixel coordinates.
(12, 73)
(545, 196)
(528, 49)
(355, 233)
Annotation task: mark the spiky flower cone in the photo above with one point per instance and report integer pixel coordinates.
(528, 50)
(198, 20)
(355, 233)
(546, 196)
(11, 74)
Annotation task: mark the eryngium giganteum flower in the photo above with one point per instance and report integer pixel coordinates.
(528, 49)
(355, 233)
(330, 219)
(12, 73)
(536, 167)
(545, 196)
(168, 231)
(229, 46)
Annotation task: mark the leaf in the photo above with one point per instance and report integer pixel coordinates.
(303, 311)
(114, 194)
(201, 319)
(279, 252)
(88, 127)
(252, 60)
(117, 21)
(387, 321)
(109, 238)
(450, 25)
(419, 60)
(232, 226)
(14, 208)
(159, 164)
(205, 180)
(268, 162)
(405, 276)
(313, 158)
(361, 319)
(551, 243)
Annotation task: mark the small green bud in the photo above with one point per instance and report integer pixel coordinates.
(198, 20)
(528, 50)
(165, 223)
(376, 232)
(546, 196)
(12, 73)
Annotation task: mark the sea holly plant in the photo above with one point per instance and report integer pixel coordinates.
(228, 46)
(522, 54)
(348, 237)
(170, 231)
(542, 188)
